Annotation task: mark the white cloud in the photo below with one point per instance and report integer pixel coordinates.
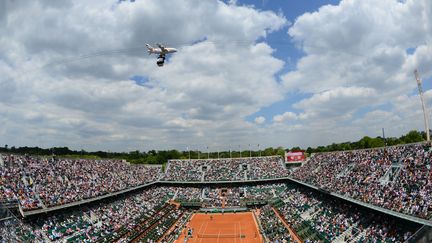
(375, 120)
(287, 116)
(202, 95)
(335, 102)
(359, 43)
(259, 120)
(355, 70)
(356, 59)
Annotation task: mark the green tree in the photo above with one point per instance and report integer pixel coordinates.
(377, 142)
(268, 152)
(280, 151)
(297, 148)
(152, 159)
(412, 137)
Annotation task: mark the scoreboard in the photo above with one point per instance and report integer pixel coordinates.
(295, 156)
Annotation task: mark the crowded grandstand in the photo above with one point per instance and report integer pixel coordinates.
(260, 122)
(370, 195)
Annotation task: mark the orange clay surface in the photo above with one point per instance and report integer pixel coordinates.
(223, 224)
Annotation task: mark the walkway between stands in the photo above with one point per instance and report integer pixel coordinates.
(291, 231)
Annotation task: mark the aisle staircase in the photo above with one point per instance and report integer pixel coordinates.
(341, 238)
(345, 171)
(203, 193)
(314, 213)
(166, 169)
(38, 198)
(391, 174)
(175, 194)
(306, 215)
(361, 235)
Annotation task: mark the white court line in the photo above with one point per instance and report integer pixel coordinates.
(204, 231)
(235, 232)
(188, 223)
(218, 237)
(241, 239)
(198, 232)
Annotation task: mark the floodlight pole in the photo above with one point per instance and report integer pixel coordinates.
(259, 151)
(384, 139)
(425, 112)
(189, 152)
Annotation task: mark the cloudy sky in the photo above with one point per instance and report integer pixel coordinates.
(274, 73)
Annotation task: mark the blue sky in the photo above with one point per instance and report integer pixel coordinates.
(286, 49)
(280, 40)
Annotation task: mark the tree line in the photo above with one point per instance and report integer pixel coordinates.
(149, 157)
(162, 156)
(368, 142)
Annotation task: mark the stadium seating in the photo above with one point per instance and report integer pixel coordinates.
(274, 229)
(105, 221)
(145, 215)
(152, 228)
(39, 182)
(237, 169)
(188, 194)
(398, 178)
(184, 170)
(319, 217)
(177, 229)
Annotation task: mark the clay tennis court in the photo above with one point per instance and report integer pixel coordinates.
(222, 228)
